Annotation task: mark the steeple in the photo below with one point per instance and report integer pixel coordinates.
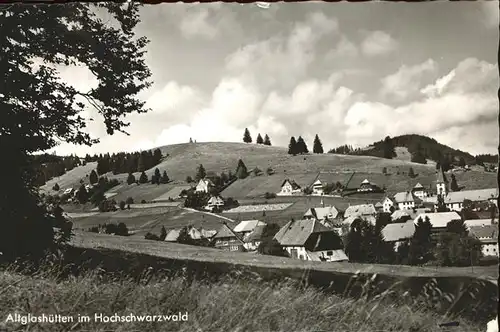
(441, 183)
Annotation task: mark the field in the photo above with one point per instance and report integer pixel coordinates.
(70, 179)
(183, 160)
(233, 305)
(186, 253)
(141, 221)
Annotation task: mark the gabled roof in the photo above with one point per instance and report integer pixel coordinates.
(398, 214)
(292, 183)
(215, 200)
(379, 205)
(438, 219)
(247, 226)
(487, 233)
(296, 233)
(406, 196)
(360, 210)
(172, 235)
(225, 231)
(398, 231)
(418, 186)
(336, 256)
(317, 182)
(473, 195)
(255, 235)
(206, 181)
(387, 198)
(365, 181)
(322, 212)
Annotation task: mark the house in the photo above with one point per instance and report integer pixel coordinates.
(387, 204)
(205, 185)
(364, 211)
(407, 200)
(173, 235)
(253, 239)
(317, 187)
(69, 191)
(399, 215)
(289, 187)
(322, 214)
(419, 191)
(367, 186)
(246, 227)
(193, 233)
(310, 240)
(215, 203)
(227, 240)
(379, 207)
(488, 235)
(438, 220)
(399, 232)
(454, 200)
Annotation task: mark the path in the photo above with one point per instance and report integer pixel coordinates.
(209, 213)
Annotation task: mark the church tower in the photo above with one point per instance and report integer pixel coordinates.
(441, 183)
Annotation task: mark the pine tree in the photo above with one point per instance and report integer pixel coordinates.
(93, 178)
(55, 187)
(317, 146)
(301, 146)
(141, 166)
(143, 178)
(267, 140)
(156, 177)
(389, 151)
(82, 195)
(200, 173)
(241, 170)
(164, 178)
(246, 136)
(259, 139)
(419, 156)
(421, 247)
(130, 179)
(163, 233)
(157, 156)
(292, 146)
(454, 184)
(411, 173)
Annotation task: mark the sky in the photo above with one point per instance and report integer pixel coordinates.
(352, 73)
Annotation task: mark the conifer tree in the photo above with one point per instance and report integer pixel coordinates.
(201, 173)
(93, 178)
(246, 136)
(130, 179)
(164, 178)
(241, 170)
(292, 146)
(301, 146)
(259, 139)
(143, 178)
(267, 140)
(317, 145)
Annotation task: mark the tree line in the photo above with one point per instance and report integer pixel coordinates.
(247, 138)
(126, 162)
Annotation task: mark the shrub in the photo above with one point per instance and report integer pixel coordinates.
(131, 179)
(129, 200)
(122, 205)
(55, 187)
(151, 236)
(269, 195)
(189, 179)
(121, 230)
(269, 171)
(143, 201)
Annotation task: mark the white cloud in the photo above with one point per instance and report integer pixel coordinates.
(490, 10)
(378, 43)
(345, 48)
(407, 80)
(196, 24)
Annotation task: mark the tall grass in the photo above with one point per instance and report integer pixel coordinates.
(225, 305)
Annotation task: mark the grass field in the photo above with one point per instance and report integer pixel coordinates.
(141, 221)
(69, 179)
(185, 252)
(231, 305)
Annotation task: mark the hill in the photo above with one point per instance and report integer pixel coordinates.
(432, 149)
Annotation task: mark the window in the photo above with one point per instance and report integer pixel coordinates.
(329, 253)
(225, 243)
(293, 253)
(301, 257)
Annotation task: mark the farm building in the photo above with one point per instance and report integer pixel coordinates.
(214, 203)
(253, 239)
(477, 222)
(399, 232)
(407, 200)
(310, 240)
(367, 186)
(399, 215)
(455, 200)
(488, 235)
(204, 185)
(317, 187)
(289, 187)
(322, 214)
(364, 211)
(193, 232)
(246, 227)
(438, 220)
(226, 239)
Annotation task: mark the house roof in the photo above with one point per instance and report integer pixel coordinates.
(206, 181)
(430, 199)
(418, 186)
(441, 178)
(327, 240)
(398, 231)
(215, 200)
(207, 233)
(379, 205)
(477, 222)
(438, 219)
(172, 235)
(365, 181)
(337, 255)
(292, 183)
(256, 234)
(322, 212)
(225, 231)
(473, 195)
(387, 198)
(406, 196)
(317, 182)
(360, 210)
(486, 233)
(398, 214)
(296, 232)
(247, 226)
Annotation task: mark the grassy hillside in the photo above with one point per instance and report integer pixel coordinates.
(233, 305)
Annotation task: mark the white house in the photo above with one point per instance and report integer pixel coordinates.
(310, 240)
(215, 202)
(289, 187)
(488, 235)
(407, 200)
(387, 204)
(455, 200)
(420, 191)
(204, 185)
(317, 188)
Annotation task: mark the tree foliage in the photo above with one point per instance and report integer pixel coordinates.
(389, 151)
(453, 183)
(241, 170)
(143, 178)
(301, 146)
(201, 173)
(267, 140)
(292, 146)
(130, 179)
(38, 110)
(259, 140)
(317, 145)
(421, 245)
(246, 136)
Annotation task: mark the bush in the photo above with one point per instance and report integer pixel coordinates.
(122, 205)
(269, 195)
(269, 171)
(121, 230)
(151, 236)
(189, 179)
(129, 200)
(55, 187)
(143, 201)
(308, 191)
